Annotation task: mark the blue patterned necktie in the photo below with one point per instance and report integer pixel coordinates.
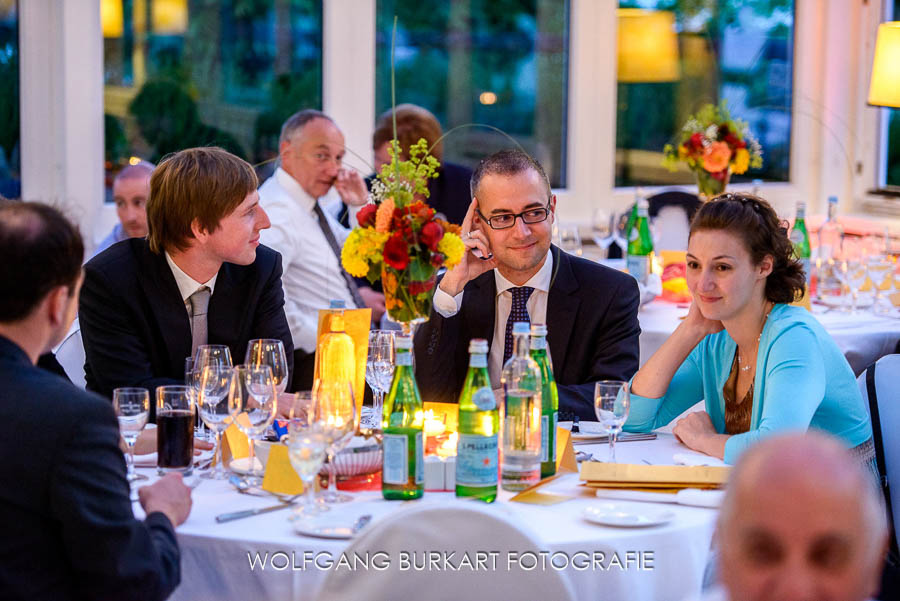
(519, 312)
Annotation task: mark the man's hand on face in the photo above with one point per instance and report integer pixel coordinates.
(374, 300)
(471, 266)
(351, 188)
(169, 496)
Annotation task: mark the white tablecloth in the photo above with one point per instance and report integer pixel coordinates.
(863, 337)
(216, 557)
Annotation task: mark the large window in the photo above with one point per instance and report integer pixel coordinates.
(182, 73)
(10, 183)
(503, 63)
(739, 51)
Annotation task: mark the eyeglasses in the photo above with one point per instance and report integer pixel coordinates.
(505, 221)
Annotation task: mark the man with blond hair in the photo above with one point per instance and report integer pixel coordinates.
(200, 277)
(801, 521)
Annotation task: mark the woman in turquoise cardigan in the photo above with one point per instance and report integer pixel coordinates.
(761, 365)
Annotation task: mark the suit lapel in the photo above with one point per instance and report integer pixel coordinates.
(483, 301)
(562, 308)
(167, 307)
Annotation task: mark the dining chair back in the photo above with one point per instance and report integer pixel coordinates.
(70, 354)
(416, 542)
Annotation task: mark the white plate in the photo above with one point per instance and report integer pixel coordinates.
(241, 466)
(324, 526)
(622, 516)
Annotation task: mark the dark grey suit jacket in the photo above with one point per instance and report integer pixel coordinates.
(136, 330)
(68, 528)
(592, 333)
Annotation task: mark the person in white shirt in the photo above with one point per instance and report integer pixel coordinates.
(131, 189)
(800, 521)
(306, 232)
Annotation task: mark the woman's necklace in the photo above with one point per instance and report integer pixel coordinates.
(758, 338)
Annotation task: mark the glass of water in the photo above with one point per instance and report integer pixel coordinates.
(132, 406)
(612, 400)
(307, 448)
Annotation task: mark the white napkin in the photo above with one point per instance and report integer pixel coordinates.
(689, 496)
(694, 459)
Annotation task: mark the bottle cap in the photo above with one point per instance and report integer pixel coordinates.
(521, 327)
(402, 342)
(538, 329)
(479, 346)
(643, 204)
(833, 199)
(337, 304)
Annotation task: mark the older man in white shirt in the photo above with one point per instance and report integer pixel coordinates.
(302, 207)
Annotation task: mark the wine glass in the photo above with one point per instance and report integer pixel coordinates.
(215, 407)
(879, 268)
(611, 404)
(269, 351)
(132, 406)
(335, 409)
(212, 354)
(570, 239)
(601, 230)
(306, 449)
(853, 269)
(379, 370)
(253, 393)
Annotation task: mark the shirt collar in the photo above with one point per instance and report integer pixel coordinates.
(295, 190)
(539, 281)
(186, 284)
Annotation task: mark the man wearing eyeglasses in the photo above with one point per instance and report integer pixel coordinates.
(511, 272)
(303, 210)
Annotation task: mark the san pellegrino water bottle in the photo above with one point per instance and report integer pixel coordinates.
(831, 237)
(549, 399)
(479, 428)
(520, 416)
(632, 217)
(335, 353)
(640, 244)
(800, 240)
(403, 422)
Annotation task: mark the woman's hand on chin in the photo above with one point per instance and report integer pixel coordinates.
(697, 432)
(700, 324)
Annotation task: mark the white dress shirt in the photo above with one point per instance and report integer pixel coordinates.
(448, 306)
(312, 273)
(188, 285)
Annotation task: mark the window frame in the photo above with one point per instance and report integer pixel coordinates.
(836, 139)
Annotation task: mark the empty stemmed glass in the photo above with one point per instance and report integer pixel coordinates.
(879, 268)
(132, 406)
(611, 404)
(570, 239)
(853, 271)
(379, 371)
(306, 449)
(602, 230)
(253, 392)
(212, 354)
(269, 351)
(215, 406)
(335, 409)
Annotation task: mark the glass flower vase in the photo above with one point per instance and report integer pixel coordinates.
(710, 186)
(407, 300)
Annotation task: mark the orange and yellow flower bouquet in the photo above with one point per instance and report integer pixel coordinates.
(399, 240)
(714, 146)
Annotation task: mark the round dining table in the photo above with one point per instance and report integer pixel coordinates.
(224, 561)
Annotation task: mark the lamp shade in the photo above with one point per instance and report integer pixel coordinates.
(647, 46)
(112, 20)
(169, 17)
(884, 87)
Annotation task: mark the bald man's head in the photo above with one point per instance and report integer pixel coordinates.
(131, 190)
(801, 521)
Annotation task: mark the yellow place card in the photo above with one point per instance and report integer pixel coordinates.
(280, 476)
(536, 497)
(565, 452)
(235, 443)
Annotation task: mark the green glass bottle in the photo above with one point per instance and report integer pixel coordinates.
(800, 240)
(549, 399)
(403, 422)
(477, 454)
(640, 245)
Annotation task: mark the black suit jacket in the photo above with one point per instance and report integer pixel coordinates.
(68, 528)
(592, 333)
(136, 330)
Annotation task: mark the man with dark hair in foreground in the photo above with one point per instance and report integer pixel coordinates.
(67, 523)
